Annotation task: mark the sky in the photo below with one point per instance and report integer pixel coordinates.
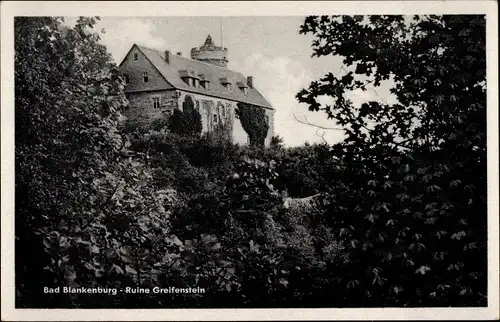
(268, 48)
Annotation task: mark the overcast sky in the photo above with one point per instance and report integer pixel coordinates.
(268, 48)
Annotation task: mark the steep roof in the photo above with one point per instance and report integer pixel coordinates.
(179, 67)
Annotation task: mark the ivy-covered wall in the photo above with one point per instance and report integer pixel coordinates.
(218, 115)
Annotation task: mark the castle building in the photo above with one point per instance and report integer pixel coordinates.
(158, 82)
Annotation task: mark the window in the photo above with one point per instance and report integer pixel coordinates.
(267, 119)
(136, 56)
(156, 102)
(145, 77)
(215, 118)
(236, 115)
(229, 86)
(127, 79)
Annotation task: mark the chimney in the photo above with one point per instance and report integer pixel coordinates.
(167, 56)
(179, 53)
(250, 81)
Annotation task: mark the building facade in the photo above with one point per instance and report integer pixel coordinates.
(158, 82)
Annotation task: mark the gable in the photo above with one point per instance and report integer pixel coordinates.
(135, 70)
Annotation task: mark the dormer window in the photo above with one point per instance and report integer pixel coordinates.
(226, 83)
(205, 84)
(127, 78)
(145, 77)
(136, 56)
(189, 77)
(243, 87)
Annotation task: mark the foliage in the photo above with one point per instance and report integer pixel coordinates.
(161, 123)
(186, 122)
(276, 142)
(413, 216)
(253, 121)
(86, 211)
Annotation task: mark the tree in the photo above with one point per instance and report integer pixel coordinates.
(253, 121)
(85, 207)
(276, 142)
(405, 208)
(424, 58)
(188, 121)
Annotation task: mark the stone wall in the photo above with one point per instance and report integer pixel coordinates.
(142, 109)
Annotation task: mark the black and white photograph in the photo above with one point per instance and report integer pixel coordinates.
(193, 156)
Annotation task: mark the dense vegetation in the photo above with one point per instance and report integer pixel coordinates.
(399, 217)
(253, 121)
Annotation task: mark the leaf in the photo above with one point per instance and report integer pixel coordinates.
(63, 242)
(88, 266)
(422, 270)
(430, 221)
(283, 281)
(253, 247)
(173, 240)
(69, 275)
(459, 235)
(116, 269)
(130, 270)
(94, 249)
(98, 273)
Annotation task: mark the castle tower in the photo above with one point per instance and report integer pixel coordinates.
(209, 53)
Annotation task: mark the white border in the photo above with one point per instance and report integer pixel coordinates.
(250, 8)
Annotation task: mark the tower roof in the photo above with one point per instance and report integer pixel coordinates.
(209, 42)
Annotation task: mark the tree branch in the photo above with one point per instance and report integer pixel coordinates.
(306, 122)
(322, 135)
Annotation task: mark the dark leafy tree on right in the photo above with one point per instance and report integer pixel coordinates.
(413, 216)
